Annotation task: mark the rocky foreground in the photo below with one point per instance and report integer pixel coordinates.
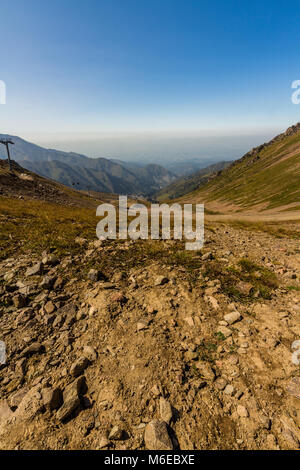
(153, 355)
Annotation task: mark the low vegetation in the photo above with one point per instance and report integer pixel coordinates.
(37, 226)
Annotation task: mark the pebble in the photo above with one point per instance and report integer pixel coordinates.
(93, 275)
(157, 437)
(34, 270)
(220, 383)
(79, 366)
(90, 353)
(232, 317)
(225, 331)
(229, 390)
(161, 280)
(116, 433)
(242, 411)
(165, 410)
(52, 398)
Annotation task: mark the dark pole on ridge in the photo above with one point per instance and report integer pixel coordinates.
(6, 142)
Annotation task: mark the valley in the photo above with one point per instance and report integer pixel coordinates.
(127, 345)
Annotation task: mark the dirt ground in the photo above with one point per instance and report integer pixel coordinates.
(144, 352)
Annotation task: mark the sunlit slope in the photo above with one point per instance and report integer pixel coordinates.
(267, 177)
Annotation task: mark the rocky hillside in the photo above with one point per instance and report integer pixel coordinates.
(134, 345)
(266, 178)
(81, 172)
(23, 184)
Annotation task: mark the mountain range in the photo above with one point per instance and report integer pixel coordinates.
(265, 178)
(81, 172)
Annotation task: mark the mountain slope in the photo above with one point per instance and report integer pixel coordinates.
(23, 184)
(98, 174)
(267, 177)
(190, 183)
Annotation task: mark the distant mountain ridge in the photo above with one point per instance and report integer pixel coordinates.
(97, 174)
(185, 185)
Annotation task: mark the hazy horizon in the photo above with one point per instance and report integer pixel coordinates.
(160, 148)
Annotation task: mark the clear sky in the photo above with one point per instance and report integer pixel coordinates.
(79, 70)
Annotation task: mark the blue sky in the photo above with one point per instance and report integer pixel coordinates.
(77, 70)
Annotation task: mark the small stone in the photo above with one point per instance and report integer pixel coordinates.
(17, 397)
(80, 240)
(30, 405)
(66, 338)
(189, 321)
(229, 390)
(191, 355)
(232, 317)
(156, 390)
(293, 387)
(90, 353)
(34, 348)
(58, 283)
(161, 280)
(116, 433)
(34, 270)
(242, 411)
(50, 260)
(151, 310)
(104, 442)
(220, 383)
(265, 422)
(94, 275)
(118, 297)
(234, 360)
(79, 366)
(71, 398)
(52, 398)
(205, 371)
(5, 411)
(244, 288)
(107, 285)
(212, 301)
(157, 437)
(207, 256)
(92, 312)
(142, 325)
(20, 301)
(49, 307)
(225, 331)
(68, 408)
(97, 244)
(271, 441)
(77, 388)
(165, 409)
(48, 282)
(242, 351)
(9, 276)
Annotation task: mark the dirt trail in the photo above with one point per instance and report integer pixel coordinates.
(272, 217)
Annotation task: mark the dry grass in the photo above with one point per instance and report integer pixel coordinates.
(262, 279)
(29, 225)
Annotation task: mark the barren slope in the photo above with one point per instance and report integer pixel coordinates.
(266, 179)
